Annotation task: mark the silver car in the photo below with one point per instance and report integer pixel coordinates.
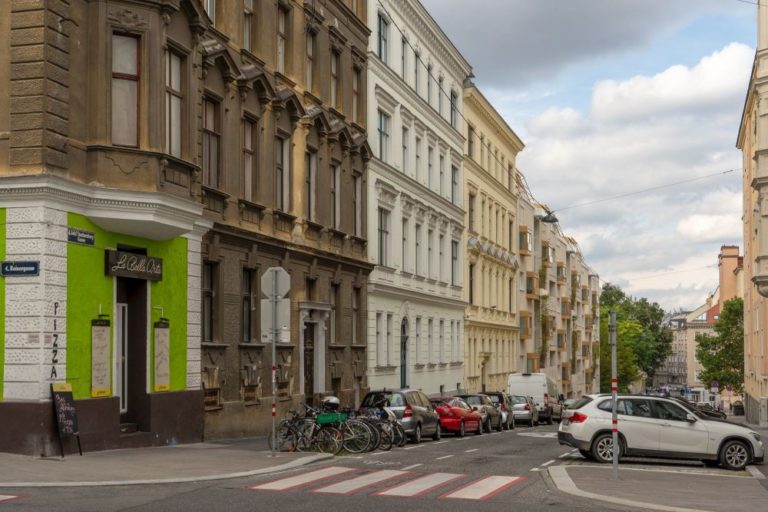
(413, 410)
(524, 410)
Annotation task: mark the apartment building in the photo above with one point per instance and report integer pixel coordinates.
(674, 370)
(490, 204)
(158, 158)
(416, 305)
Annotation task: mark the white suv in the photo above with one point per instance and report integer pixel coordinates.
(657, 427)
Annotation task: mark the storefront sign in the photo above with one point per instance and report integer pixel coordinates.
(81, 236)
(137, 266)
(20, 268)
(100, 366)
(162, 354)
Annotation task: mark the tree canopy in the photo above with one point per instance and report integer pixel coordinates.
(722, 355)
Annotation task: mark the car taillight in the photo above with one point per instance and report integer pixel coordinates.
(527, 407)
(578, 417)
(408, 412)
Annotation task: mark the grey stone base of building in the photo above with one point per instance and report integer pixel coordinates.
(168, 418)
(756, 410)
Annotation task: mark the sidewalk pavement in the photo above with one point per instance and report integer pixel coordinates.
(141, 466)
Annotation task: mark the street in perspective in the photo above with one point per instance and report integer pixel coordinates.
(445, 255)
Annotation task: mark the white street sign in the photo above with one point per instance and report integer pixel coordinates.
(283, 285)
(283, 320)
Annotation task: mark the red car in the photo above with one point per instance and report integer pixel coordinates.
(458, 417)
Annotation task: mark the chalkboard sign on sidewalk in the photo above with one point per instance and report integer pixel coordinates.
(65, 413)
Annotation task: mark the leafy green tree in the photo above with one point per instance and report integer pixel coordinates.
(722, 355)
(626, 368)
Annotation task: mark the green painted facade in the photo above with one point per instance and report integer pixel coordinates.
(2, 304)
(89, 288)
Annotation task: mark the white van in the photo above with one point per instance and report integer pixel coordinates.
(541, 388)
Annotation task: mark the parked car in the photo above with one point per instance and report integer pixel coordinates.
(413, 410)
(524, 410)
(541, 388)
(568, 402)
(458, 417)
(501, 401)
(703, 407)
(657, 427)
(489, 415)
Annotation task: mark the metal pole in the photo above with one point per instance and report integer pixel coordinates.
(614, 395)
(274, 300)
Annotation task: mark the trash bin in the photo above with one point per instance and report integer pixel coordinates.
(738, 408)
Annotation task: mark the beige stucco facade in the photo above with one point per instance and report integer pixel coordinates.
(753, 141)
(490, 205)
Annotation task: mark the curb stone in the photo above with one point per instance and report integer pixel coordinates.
(207, 478)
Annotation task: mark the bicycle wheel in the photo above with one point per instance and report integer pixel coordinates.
(328, 440)
(357, 436)
(286, 438)
(375, 435)
(385, 437)
(305, 430)
(399, 438)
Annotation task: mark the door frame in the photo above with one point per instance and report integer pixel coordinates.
(120, 368)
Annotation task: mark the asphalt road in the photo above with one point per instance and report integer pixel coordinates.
(492, 472)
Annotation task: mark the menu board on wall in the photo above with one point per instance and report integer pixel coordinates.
(162, 355)
(100, 358)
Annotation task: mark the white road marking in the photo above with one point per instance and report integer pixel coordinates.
(756, 473)
(444, 457)
(440, 442)
(6, 497)
(484, 488)
(566, 454)
(305, 478)
(419, 486)
(535, 469)
(380, 453)
(360, 482)
(548, 463)
(415, 446)
(472, 450)
(546, 435)
(412, 466)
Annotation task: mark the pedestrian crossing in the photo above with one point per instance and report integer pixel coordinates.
(7, 497)
(346, 481)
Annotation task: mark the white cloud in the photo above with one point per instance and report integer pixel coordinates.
(639, 133)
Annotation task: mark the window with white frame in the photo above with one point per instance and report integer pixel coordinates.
(380, 346)
(173, 102)
(440, 95)
(310, 185)
(442, 175)
(210, 9)
(335, 196)
(405, 264)
(383, 129)
(282, 38)
(383, 236)
(248, 25)
(282, 173)
(310, 62)
(383, 37)
(125, 90)
(335, 98)
(417, 151)
(211, 142)
(357, 198)
(454, 262)
(430, 79)
(430, 341)
(441, 259)
(389, 340)
(249, 160)
(430, 165)
(404, 59)
(455, 109)
(454, 184)
(416, 78)
(441, 342)
(406, 135)
(356, 78)
(417, 253)
(430, 243)
(417, 351)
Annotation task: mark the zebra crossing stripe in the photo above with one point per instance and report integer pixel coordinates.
(484, 488)
(360, 482)
(420, 486)
(7, 497)
(305, 478)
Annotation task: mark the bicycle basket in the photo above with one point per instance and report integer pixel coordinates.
(325, 418)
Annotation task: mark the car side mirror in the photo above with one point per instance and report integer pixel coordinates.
(690, 418)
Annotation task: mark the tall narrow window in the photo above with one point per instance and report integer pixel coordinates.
(310, 191)
(211, 137)
(310, 65)
(442, 174)
(356, 96)
(430, 162)
(441, 262)
(282, 173)
(417, 151)
(404, 264)
(417, 347)
(430, 341)
(249, 170)
(208, 287)
(335, 197)
(430, 243)
(454, 109)
(383, 236)
(173, 100)
(403, 59)
(405, 150)
(246, 291)
(470, 142)
(454, 263)
(389, 339)
(383, 35)
(335, 58)
(511, 292)
(471, 283)
(472, 199)
(379, 340)
(358, 201)
(417, 254)
(429, 83)
(441, 342)
(282, 38)
(356, 315)
(125, 90)
(454, 184)
(210, 9)
(383, 136)
(335, 302)
(416, 78)
(247, 25)
(440, 95)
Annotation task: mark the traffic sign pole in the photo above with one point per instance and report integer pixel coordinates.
(274, 300)
(614, 395)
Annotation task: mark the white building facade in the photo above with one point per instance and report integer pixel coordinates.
(415, 218)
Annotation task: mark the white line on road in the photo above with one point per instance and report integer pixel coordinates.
(303, 479)
(472, 450)
(548, 463)
(440, 442)
(756, 473)
(444, 457)
(535, 469)
(412, 466)
(380, 453)
(415, 446)
(420, 486)
(484, 488)
(357, 483)
(566, 454)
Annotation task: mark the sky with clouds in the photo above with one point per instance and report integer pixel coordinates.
(615, 96)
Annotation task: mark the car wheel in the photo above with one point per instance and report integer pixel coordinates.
(417, 435)
(499, 427)
(488, 425)
(461, 429)
(586, 454)
(602, 448)
(734, 455)
(479, 430)
(438, 433)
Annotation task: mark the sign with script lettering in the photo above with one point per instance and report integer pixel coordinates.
(100, 358)
(162, 356)
(64, 408)
(137, 266)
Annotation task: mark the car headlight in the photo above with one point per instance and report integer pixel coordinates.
(756, 436)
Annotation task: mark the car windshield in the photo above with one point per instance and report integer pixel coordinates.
(581, 402)
(494, 398)
(375, 399)
(474, 400)
(519, 400)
